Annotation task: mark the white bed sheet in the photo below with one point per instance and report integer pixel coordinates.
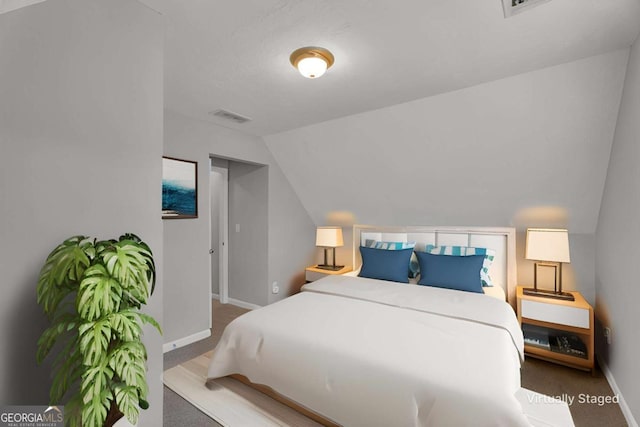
(365, 352)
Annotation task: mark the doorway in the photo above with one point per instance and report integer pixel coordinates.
(239, 232)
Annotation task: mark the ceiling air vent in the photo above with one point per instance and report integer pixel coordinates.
(228, 115)
(512, 7)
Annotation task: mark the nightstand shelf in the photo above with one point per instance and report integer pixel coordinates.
(561, 328)
(314, 273)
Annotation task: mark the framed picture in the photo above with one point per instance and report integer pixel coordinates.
(179, 188)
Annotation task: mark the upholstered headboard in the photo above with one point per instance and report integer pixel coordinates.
(502, 240)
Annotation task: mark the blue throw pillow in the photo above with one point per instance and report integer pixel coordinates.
(451, 272)
(385, 264)
(489, 255)
(414, 268)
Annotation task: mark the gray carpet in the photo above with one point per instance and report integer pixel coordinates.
(537, 375)
(177, 411)
(555, 380)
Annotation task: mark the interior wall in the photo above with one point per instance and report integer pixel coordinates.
(524, 151)
(617, 267)
(290, 231)
(81, 85)
(248, 231)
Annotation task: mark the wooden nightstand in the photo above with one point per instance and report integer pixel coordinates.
(314, 273)
(556, 330)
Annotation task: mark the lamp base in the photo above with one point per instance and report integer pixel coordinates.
(330, 267)
(548, 294)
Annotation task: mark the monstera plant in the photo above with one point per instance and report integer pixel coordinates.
(92, 291)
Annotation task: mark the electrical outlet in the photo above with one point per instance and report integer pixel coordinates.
(607, 334)
(274, 288)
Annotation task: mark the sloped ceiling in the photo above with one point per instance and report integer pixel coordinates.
(235, 55)
(435, 112)
(528, 150)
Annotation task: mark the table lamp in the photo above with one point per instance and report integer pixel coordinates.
(329, 238)
(549, 248)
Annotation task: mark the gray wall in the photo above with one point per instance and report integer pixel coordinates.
(290, 235)
(81, 90)
(528, 150)
(248, 245)
(617, 266)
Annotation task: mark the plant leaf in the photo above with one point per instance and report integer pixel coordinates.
(129, 363)
(94, 380)
(63, 270)
(127, 401)
(131, 262)
(68, 369)
(151, 273)
(96, 394)
(125, 325)
(94, 412)
(150, 321)
(94, 341)
(60, 325)
(100, 294)
(73, 411)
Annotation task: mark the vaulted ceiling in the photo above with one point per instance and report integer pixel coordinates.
(235, 55)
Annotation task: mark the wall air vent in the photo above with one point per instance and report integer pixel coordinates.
(513, 7)
(228, 115)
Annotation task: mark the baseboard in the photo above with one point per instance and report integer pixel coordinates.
(626, 411)
(215, 296)
(186, 340)
(243, 304)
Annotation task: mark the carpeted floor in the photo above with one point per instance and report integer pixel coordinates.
(177, 411)
(537, 375)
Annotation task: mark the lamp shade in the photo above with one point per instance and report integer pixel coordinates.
(547, 244)
(329, 237)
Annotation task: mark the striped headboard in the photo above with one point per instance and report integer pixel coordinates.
(502, 240)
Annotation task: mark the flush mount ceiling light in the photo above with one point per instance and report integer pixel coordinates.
(312, 62)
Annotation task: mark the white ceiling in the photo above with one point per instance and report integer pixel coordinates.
(235, 55)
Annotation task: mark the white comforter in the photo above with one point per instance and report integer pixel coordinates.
(365, 352)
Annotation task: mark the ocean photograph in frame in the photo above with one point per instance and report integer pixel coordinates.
(179, 188)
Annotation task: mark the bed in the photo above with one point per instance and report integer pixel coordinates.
(360, 351)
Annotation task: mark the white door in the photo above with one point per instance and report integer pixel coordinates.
(219, 184)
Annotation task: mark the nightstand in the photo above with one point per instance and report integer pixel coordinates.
(556, 330)
(314, 273)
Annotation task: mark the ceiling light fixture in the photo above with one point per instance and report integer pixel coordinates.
(312, 62)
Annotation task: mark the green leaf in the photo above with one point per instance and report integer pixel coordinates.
(94, 341)
(131, 262)
(151, 273)
(127, 401)
(125, 325)
(73, 411)
(129, 363)
(96, 394)
(95, 380)
(100, 294)
(68, 370)
(63, 270)
(150, 321)
(94, 412)
(61, 324)
(143, 404)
